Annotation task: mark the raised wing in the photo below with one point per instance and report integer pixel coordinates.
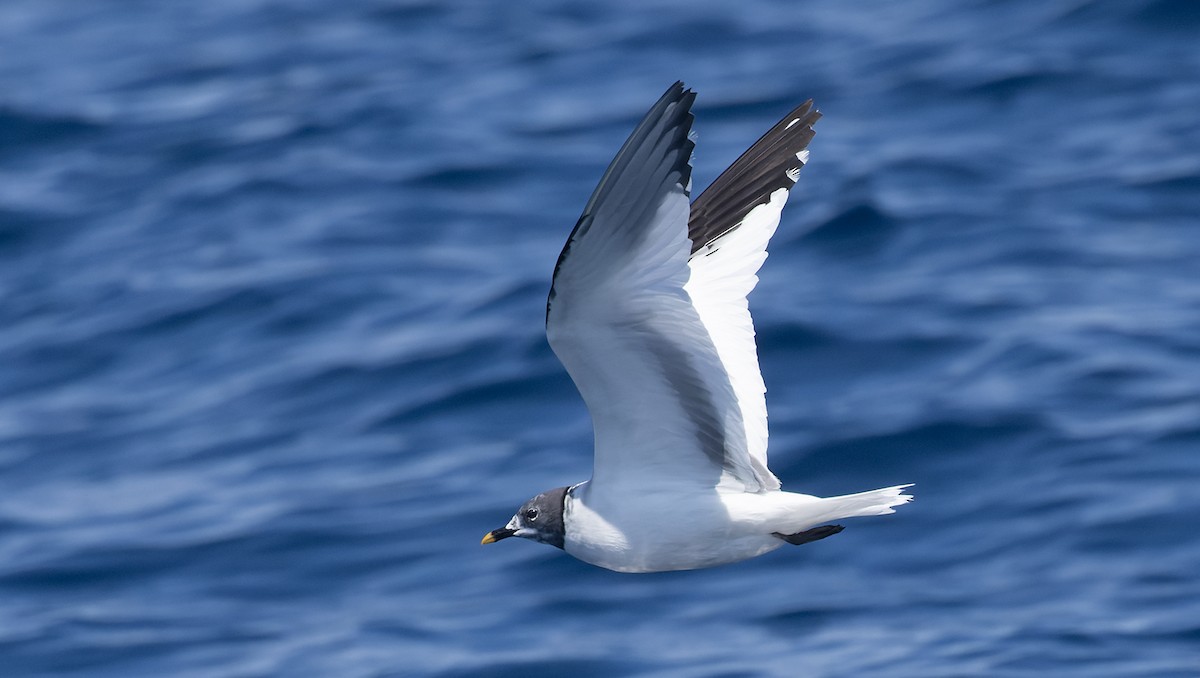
(619, 319)
(730, 225)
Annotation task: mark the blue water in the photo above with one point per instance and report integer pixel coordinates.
(271, 351)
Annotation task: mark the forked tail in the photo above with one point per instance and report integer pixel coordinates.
(873, 503)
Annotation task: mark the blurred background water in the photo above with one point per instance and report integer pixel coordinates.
(272, 356)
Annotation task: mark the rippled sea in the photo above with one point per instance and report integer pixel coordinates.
(272, 358)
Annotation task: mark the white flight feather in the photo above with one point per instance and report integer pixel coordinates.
(718, 287)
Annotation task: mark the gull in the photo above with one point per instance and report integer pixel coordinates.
(647, 311)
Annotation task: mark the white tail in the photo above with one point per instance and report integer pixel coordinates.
(873, 503)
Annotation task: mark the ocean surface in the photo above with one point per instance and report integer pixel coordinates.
(272, 357)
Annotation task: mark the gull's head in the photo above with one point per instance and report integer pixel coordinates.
(539, 519)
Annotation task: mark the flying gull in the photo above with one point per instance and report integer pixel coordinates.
(647, 311)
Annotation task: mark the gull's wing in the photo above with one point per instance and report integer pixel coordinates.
(730, 225)
(619, 319)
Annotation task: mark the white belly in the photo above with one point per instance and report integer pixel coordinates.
(660, 529)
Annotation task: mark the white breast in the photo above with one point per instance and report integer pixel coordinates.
(662, 528)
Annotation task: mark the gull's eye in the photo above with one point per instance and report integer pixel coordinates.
(531, 514)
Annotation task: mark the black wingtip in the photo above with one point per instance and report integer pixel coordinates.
(768, 165)
(670, 118)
